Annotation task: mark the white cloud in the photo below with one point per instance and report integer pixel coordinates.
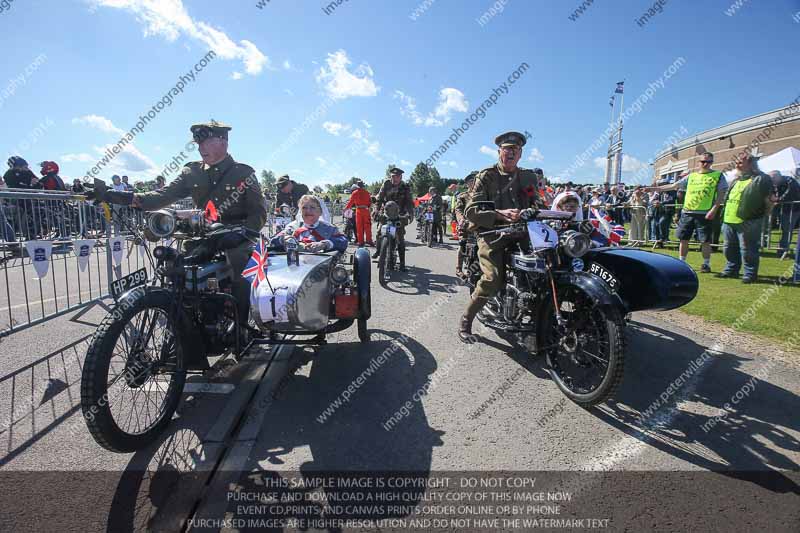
(366, 124)
(629, 163)
(170, 19)
(289, 92)
(357, 134)
(287, 65)
(77, 158)
(322, 162)
(535, 155)
(237, 76)
(340, 83)
(98, 122)
(450, 100)
(492, 152)
(335, 128)
(450, 163)
(129, 160)
(404, 162)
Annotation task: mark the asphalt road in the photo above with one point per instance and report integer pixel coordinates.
(427, 406)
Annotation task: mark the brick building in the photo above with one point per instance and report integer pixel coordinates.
(762, 134)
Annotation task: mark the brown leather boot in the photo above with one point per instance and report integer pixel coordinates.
(465, 324)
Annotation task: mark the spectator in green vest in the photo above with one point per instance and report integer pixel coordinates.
(750, 198)
(705, 190)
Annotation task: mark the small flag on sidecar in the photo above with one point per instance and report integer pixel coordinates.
(256, 267)
(211, 214)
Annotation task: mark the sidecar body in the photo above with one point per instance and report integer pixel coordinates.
(322, 293)
(647, 280)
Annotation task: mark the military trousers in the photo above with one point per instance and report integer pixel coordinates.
(490, 258)
(237, 259)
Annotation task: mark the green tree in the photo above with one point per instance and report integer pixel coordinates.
(436, 180)
(267, 180)
(375, 187)
(390, 167)
(317, 189)
(421, 179)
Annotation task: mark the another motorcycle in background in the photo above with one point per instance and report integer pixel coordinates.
(283, 217)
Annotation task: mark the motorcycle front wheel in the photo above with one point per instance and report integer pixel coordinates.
(133, 375)
(586, 354)
(383, 261)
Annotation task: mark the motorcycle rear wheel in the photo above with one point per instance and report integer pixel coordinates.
(586, 358)
(141, 347)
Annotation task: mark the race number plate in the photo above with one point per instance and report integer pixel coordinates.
(542, 235)
(134, 279)
(601, 272)
(282, 221)
(429, 217)
(392, 231)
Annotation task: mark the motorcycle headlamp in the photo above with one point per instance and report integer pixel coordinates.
(339, 274)
(286, 210)
(575, 244)
(160, 225)
(392, 210)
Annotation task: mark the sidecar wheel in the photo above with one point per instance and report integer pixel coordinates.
(363, 334)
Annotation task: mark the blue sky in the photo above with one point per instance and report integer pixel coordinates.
(392, 82)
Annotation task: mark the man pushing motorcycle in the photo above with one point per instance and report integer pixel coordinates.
(227, 190)
(496, 197)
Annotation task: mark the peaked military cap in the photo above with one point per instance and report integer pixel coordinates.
(395, 170)
(510, 138)
(212, 128)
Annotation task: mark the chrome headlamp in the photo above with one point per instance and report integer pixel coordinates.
(339, 275)
(575, 244)
(160, 225)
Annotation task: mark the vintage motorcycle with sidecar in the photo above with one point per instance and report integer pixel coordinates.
(569, 301)
(174, 323)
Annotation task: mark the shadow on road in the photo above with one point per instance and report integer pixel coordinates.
(744, 440)
(339, 438)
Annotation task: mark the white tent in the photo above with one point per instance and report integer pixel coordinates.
(785, 161)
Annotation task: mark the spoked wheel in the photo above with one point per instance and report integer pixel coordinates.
(383, 261)
(430, 235)
(587, 353)
(133, 376)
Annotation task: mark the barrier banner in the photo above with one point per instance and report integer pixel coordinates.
(39, 252)
(83, 250)
(115, 243)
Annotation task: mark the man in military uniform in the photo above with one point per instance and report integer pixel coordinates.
(289, 192)
(463, 231)
(226, 189)
(395, 189)
(510, 189)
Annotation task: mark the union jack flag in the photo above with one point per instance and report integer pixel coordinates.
(256, 267)
(604, 233)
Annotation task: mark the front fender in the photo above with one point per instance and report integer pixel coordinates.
(594, 287)
(362, 272)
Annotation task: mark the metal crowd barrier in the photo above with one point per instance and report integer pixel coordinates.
(62, 218)
(785, 215)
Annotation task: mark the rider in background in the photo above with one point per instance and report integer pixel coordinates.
(397, 190)
(289, 192)
(436, 206)
(463, 223)
(312, 233)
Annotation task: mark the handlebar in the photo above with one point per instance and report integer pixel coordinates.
(527, 215)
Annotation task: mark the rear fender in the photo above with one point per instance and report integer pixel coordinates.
(361, 274)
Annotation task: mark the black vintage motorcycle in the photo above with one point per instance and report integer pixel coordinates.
(388, 243)
(169, 326)
(569, 301)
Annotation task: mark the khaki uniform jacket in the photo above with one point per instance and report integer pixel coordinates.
(399, 193)
(237, 196)
(518, 190)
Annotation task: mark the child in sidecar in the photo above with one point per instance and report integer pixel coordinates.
(312, 233)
